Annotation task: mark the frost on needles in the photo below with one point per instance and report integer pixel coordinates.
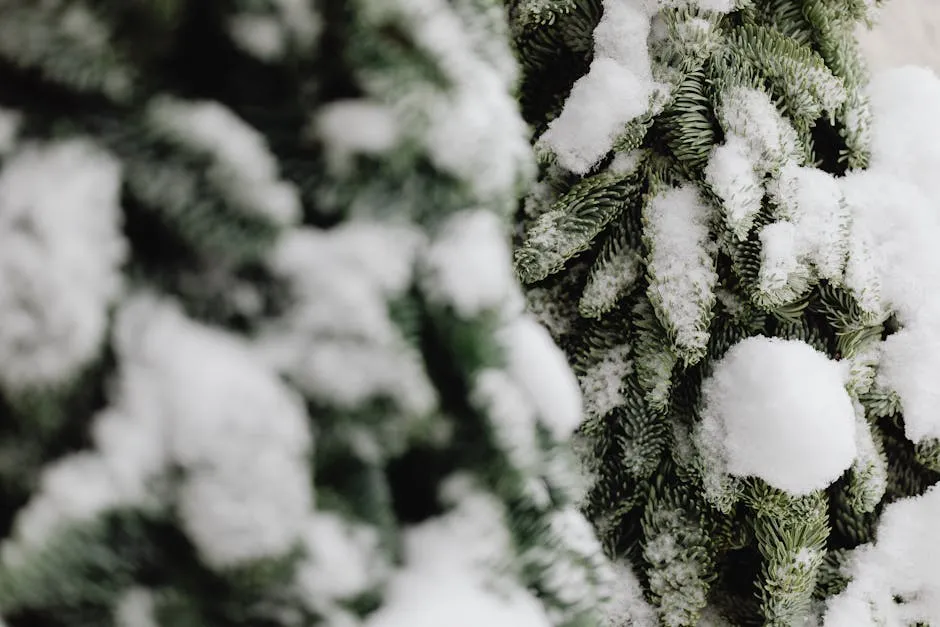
(733, 237)
(263, 357)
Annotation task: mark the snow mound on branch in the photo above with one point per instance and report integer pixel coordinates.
(617, 89)
(902, 563)
(450, 572)
(778, 409)
(61, 252)
(894, 264)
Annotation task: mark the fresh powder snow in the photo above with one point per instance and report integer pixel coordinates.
(337, 342)
(682, 271)
(194, 398)
(540, 369)
(343, 559)
(60, 263)
(472, 129)
(511, 416)
(811, 199)
(894, 261)
(269, 35)
(778, 410)
(451, 571)
(349, 128)
(136, 608)
(239, 434)
(618, 87)
(602, 382)
(895, 581)
(626, 605)
(469, 265)
(733, 176)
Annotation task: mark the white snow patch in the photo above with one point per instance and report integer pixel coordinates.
(626, 605)
(337, 341)
(541, 369)
(812, 200)
(469, 265)
(778, 410)
(751, 115)
(602, 382)
(472, 129)
(451, 573)
(61, 252)
(617, 88)
(350, 127)
(902, 562)
(682, 271)
(74, 489)
(344, 559)
(136, 608)
(262, 36)
(239, 434)
(910, 359)
(731, 173)
(778, 255)
(243, 167)
(511, 416)
(269, 35)
(894, 262)
(608, 283)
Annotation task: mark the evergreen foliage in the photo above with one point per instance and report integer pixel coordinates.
(263, 360)
(708, 202)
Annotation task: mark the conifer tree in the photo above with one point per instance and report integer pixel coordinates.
(733, 236)
(263, 359)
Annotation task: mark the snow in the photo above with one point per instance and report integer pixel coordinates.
(571, 562)
(901, 563)
(751, 115)
(602, 382)
(469, 265)
(10, 122)
(812, 200)
(680, 266)
(716, 6)
(351, 127)
(511, 417)
(450, 573)
(617, 88)
(870, 466)
(61, 252)
(905, 33)
(191, 398)
(268, 36)
(894, 263)
(626, 606)
(242, 165)
(905, 138)
(343, 559)
(731, 173)
(337, 341)
(74, 489)
(626, 163)
(778, 256)
(541, 370)
(240, 436)
(136, 608)
(262, 36)
(607, 283)
(472, 129)
(910, 363)
(778, 410)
